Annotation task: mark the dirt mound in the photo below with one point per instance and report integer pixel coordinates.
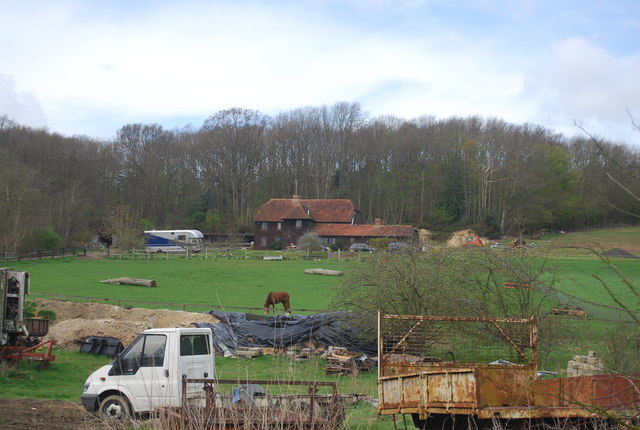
(424, 235)
(78, 320)
(620, 253)
(459, 238)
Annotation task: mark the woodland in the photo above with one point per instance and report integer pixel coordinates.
(441, 174)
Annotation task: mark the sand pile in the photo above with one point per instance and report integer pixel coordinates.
(79, 320)
(424, 235)
(459, 238)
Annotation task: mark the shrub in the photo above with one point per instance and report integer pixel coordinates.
(381, 243)
(47, 314)
(309, 242)
(42, 238)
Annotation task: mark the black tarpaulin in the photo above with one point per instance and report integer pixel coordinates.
(238, 329)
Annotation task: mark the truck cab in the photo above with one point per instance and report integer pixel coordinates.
(148, 373)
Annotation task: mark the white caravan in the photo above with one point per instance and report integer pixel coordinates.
(173, 240)
(148, 374)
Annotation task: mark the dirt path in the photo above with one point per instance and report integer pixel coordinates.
(74, 322)
(46, 414)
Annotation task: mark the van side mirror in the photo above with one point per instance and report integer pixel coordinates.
(116, 367)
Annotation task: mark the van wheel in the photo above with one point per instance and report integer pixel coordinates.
(115, 407)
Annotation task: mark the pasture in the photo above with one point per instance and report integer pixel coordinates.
(242, 284)
(627, 238)
(212, 283)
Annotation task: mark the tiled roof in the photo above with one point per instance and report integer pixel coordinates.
(364, 230)
(319, 210)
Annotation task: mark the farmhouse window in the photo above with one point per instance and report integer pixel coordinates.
(264, 226)
(279, 226)
(263, 241)
(298, 223)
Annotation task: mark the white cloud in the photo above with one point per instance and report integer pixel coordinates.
(95, 66)
(584, 83)
(22, 107)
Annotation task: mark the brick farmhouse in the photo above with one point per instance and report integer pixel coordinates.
(333, 220)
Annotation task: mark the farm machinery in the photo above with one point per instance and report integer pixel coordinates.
(20, 337)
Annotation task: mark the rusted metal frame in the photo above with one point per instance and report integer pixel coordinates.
(404, 337)
(533, 341)
(312, 388)
(267, 382)
(183, 406)
(456, 318)
(20, 352)
(531, 322)
(631, 385)
(521, 353)
(477, 394)
(512, 412)
(381, 359)
(380, 344)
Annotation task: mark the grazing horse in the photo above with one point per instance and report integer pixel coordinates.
(274, 298)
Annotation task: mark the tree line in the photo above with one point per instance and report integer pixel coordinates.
(441, 174)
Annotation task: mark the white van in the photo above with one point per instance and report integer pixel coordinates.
(173, 240)
(149, 372)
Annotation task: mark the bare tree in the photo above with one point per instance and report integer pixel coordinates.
(625, 174)
(452, 281)
(231, 151)
(18, 197)
(122, 222)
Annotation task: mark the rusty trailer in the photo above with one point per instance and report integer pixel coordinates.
(448, 370)
(219, 408)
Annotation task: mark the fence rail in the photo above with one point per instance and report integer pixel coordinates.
(42, 254)
(233, 253)
(219, 251)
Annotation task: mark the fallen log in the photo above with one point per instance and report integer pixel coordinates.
(131, 281)
(323, 272)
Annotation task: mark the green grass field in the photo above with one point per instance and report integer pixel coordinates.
(627, 238)
(576, 276)
(240, 283)
(232, 283)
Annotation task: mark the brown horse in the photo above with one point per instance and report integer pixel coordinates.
(274, 298)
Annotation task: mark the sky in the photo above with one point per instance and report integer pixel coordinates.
(89, 67)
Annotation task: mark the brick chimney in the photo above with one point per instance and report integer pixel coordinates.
(296, 197)
(377, 221)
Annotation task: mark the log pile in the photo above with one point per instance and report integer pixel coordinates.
(341, 362)
(298, 353)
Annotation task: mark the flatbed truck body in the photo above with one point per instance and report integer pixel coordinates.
(416, 377)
